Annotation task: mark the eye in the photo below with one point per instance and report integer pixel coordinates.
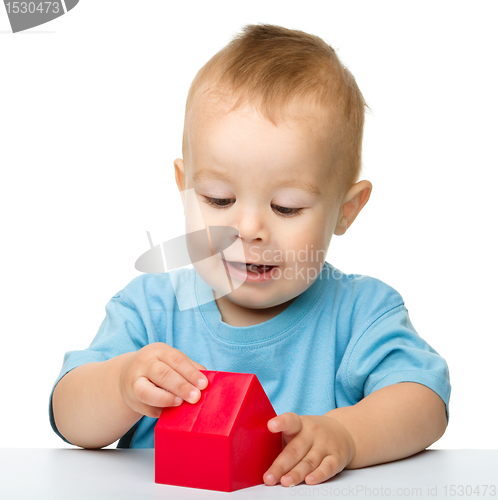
(287, 212)
(221, 203)
(218, 202)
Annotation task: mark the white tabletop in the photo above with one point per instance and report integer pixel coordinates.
(73, 474)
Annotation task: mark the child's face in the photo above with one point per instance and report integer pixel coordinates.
(274, 186)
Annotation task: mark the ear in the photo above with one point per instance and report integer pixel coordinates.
(180, 179)
(355, 199)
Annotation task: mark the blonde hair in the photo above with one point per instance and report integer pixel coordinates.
(271, 67)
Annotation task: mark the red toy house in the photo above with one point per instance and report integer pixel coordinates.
(220, 443)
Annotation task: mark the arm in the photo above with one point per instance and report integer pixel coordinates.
(88, 408)
(96, 403)
(393, 423)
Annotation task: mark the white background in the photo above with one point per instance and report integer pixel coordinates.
(91, 119)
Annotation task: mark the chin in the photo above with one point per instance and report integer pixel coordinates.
(253, 300)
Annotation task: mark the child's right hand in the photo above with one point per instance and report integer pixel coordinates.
(157, 376)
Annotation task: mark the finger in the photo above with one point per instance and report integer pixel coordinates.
(198, 365)
(145, 409)
(148, 393)
(183, 365)
(288, 423)
(165, 377)
(285, 462)
(290, 457)
(329, 467)
(309, 463)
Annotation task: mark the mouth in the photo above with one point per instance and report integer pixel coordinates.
(252, 267)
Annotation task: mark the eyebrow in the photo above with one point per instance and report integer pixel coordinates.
(292, 183)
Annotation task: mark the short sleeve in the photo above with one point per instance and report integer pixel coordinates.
(121, 331)
(389, 351)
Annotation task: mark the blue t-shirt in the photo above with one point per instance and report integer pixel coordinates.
(343, 338)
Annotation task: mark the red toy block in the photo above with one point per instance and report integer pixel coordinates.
(220, 443)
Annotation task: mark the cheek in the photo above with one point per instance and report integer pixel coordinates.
(213, 217)
(310, 233)
(201, 211)
(303, 248)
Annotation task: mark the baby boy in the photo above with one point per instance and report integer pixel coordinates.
(272, 148)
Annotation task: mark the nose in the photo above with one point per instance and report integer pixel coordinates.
(251, 225)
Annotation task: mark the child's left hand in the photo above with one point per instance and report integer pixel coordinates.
(316, 448)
